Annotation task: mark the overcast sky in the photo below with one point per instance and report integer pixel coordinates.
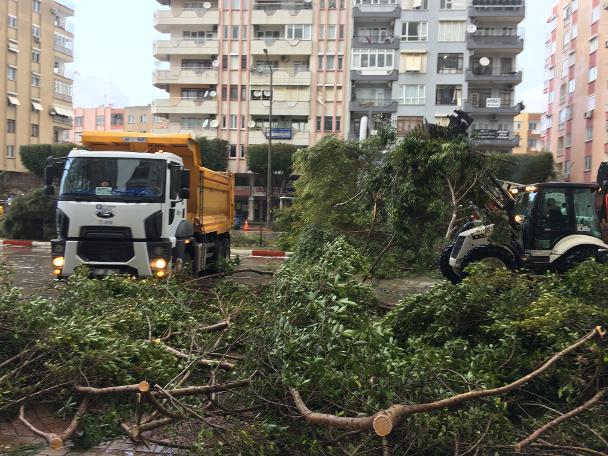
(114, 62)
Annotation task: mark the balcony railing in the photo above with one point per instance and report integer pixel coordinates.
(497, 5)
(504, 40)
(374, 102)
(64, 50)
(270, 5)
(375, 3)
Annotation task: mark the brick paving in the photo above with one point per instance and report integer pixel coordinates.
(14, 436)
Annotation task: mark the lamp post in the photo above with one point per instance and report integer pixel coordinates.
(269, 176)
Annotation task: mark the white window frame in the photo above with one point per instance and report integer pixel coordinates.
(373, 54)
(419, 99)
(593, 44)
(571, 85)
(452, 5)
(292, 29)
(11, 73)
(423, 31)
(36, 31)
(12, 21)
(595, 14)
(36, 6)
(456, 31)
(10, 151)
(234, 121)
(35, 80)
(592, 74)
(591, 103)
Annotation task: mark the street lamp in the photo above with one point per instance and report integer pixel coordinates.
(269, 176)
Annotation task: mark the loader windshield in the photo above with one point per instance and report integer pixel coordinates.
(524, 203)
(113, 179)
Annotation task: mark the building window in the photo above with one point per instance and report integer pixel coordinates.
(593, 45)
(416, 5)
(78, 121)
(243, 123)
(414, 31)
(298, 32)
(450, 63)
(327, 62)
(11, 126)
(452, 4)
(532, 126)
(373, 59)
(61, 88)
(532, 143)
(589, 133)
(36, 6)
(100, 120)
(12, 21)
(318, 123)
(35, 81)
(592, 74)
(242, 148)
(327, 32)
(448, 95)
(36, 56)
(10, 151)
(591, 103)
(12, 73)
(595, 14)
(143, 118)
(452, 30)
(588, 162)
(131, 119)
(35, 130)
(407, 124)
(233, 121)
(412, 94)
(234, 92)
(412, 62)
(36, 32)
(224, 122)
(571, 85)
(232, 150)
(116, 120)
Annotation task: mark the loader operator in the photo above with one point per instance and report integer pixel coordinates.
(555, 218)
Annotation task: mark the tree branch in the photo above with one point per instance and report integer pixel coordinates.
(201, 362)
(141, 387)
(560, 419)
(384, 421)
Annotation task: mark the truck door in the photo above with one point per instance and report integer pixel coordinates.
(554, 218)
(177, 207)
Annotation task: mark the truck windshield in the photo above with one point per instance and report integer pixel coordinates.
(524, 203)
(113, 179)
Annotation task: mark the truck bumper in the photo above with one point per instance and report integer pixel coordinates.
(97, 256)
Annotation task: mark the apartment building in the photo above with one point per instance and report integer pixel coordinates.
(527, 128)
(333, 64)
(110, 118)
(576, 74)
(38, 43)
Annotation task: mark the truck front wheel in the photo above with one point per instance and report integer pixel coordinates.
(493, 256)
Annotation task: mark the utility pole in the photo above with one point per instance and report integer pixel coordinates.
(269, 176)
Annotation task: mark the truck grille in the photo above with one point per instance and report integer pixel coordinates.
(457, 247)
(105, 244)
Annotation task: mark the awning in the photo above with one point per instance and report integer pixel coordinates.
(37, 106)
(12, 99)
(62, 111)
(13, 47)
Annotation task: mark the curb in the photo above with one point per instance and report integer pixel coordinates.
(268, 254)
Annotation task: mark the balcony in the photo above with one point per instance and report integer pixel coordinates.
(195, 130)
(163, 49)
(489, 78)
(63, 50)
(372, 105)
(377, 9)
(279, 108)
(506, 43)
(513, 10)
(374, 75)
(495, 138)
(366, 42)
(281, 76)
(281, 13)
(186, 76)
(185, 106)
(281, 47)
(493, 106)
(165, 21)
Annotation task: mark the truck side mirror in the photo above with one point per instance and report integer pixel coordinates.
(50, 173)
(49, 190)
(184, 192)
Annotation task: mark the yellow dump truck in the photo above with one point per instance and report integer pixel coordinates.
(140, 204)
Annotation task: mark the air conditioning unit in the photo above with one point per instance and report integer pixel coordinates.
(589, 114)
(215, 28)
(36, 39)
(54, 11)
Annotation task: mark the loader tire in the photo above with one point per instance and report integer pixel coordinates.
(494, 256)
(573, 257)
(444, 264)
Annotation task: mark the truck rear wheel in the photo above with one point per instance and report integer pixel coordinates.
(573, 257)
(444, 264)
(491, 255)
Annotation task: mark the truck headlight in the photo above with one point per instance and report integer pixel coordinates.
(159, 263)
(58, 262)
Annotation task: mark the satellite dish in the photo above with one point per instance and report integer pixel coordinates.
(213, 93)
(215, 63)
(206, 5)
(266, 93)
(471, 28)
(214, 123)
(484, 61)
(257, 93)
(205, 123)
(251, 124)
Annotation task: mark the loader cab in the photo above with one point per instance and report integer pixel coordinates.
(546, 213)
